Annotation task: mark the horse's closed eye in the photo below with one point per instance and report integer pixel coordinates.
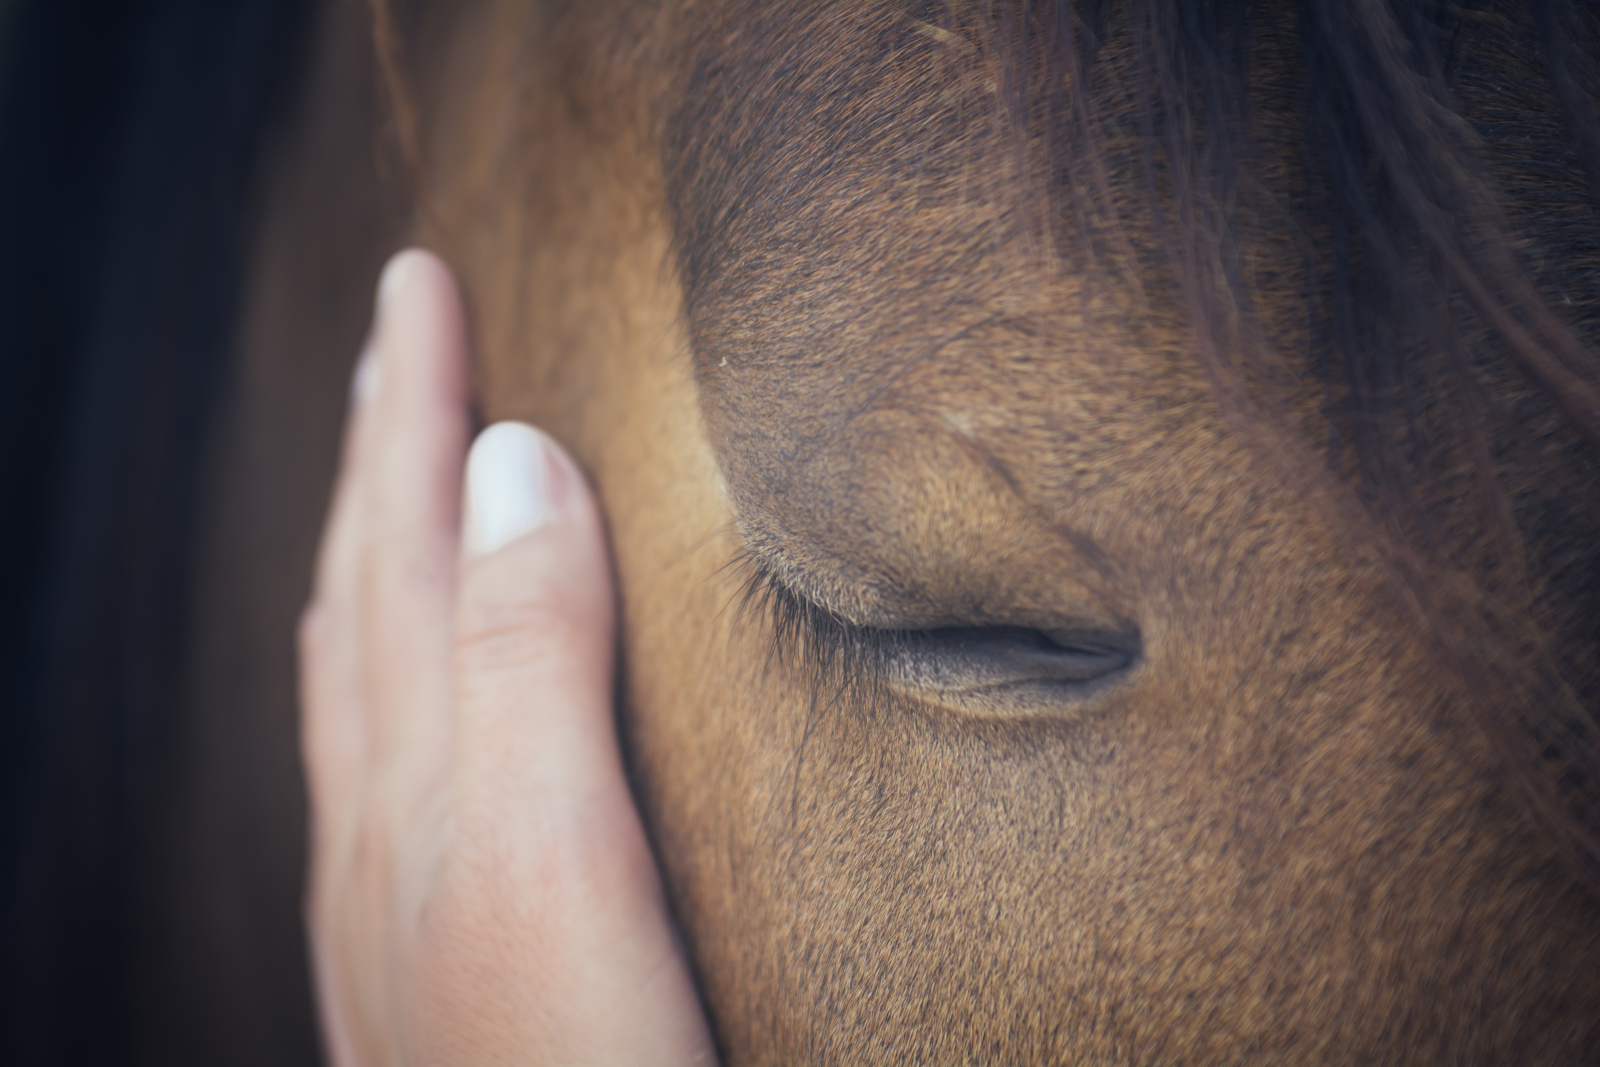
(999, 670)
(1007, 669)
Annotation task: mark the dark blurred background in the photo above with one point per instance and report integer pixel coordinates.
(129, 136)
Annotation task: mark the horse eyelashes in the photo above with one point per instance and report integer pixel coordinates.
(806, 637)
(988, 671)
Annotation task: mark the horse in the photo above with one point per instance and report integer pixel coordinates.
(1102, 495)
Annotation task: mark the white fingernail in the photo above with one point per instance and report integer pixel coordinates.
(369, 373)
(508, 486)
(391, 280)
(369, 369)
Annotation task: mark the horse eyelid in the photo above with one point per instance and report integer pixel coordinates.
(827, 650)
(806, 637)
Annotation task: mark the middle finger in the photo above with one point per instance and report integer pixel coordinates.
(411, 496)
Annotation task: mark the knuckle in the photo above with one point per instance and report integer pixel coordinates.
(515, 635)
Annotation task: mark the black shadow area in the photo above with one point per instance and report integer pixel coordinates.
(129, 131)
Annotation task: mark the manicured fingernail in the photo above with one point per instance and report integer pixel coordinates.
(392, 280)
(369, 369)
(509, 486)
(369, 373)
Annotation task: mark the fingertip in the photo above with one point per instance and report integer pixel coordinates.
(406, 268)
(518, 480)
(419, 321)
(391, 280)
(414, 436)
(367, 377)
(535, 577)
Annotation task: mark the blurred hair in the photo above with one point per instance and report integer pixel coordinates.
(1433, 346)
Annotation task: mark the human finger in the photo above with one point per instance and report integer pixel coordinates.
(328, 637)
(332, 708)
(410, 508)
(550, 852)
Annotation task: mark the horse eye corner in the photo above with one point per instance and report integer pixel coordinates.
(1124, 644)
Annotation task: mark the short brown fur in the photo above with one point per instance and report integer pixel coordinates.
(775, 273)
(757, 265)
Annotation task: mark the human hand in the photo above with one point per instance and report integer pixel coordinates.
(481, 888)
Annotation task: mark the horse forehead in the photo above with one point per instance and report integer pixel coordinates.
(848, 247)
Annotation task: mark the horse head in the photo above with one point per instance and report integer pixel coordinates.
(1102, 497)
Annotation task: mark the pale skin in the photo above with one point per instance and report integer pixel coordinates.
(482, 891)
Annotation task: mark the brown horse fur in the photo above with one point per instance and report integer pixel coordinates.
(779, 275)
(871, 320)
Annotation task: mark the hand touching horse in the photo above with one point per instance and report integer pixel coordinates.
(1103, 501)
